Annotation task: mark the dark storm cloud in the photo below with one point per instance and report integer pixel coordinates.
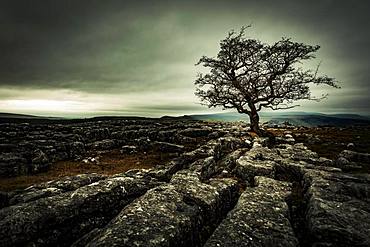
(68, 44)
(115, 47)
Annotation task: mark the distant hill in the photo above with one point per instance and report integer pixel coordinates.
(307, 119)
(14, 115)
(294, 118)
(24, 118)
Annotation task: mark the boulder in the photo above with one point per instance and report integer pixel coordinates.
(196, 132)
(53, 187)
(129, 149)
(143, 143)
(247, 169)
(177, 214)
(96, 134)
(355, 156)
(12, 164)
(338, 208)
(76, 149)
(224, 145)
(166, 147)
(103, 145)
(260, 218)
(39, 161)
(63, 218)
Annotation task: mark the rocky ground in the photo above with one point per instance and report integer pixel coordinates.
(205, 184)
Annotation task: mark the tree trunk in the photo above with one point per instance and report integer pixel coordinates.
(254, 119)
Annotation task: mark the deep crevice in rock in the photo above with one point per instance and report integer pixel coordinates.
(297, 214)
(208, 229)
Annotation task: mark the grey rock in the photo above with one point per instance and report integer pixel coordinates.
(298, 152)
(7, 147)
(196, 132)
(39, 162)
(76, 149)
(168, 147)
(260, 218)
(129, 149)
(224, 145)
(66, 217)
(355, 156)
(166, 135)
(96, 134)
(12, 164)
(338, 208)
(178, 214)
(103, 145)
(350, 146)
(257, 162)
(54, 187)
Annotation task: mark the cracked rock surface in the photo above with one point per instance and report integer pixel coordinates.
(229, 189)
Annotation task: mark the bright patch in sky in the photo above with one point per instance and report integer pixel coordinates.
(43, 105)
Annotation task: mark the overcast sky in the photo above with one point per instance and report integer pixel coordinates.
(83, 58)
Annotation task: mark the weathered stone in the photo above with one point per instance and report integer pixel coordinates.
(96, 134)
(355, 156)
(224, 145)
(224, 191)
(229, 161)
(7, 148)
(159, 218)
(195, 132)
(39, 162)
(263, 153)
(338, 208)
(168, 147)
(103, 145)
(350, 146)
(76, 149)
(54, 187)
(260, 218)
(91, 160)
(247, 168)
(346, 165)
(64, 218)
(164, 172)
(12, 164)
(198, 190)
(176, 214)
(355, 160)
(298, 152)
(166, 135)
(129, 149)
(204, 167)
(143, 143)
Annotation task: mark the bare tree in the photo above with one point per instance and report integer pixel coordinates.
(249, 75)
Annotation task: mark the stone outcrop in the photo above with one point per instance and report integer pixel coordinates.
(176, 214)
(32, 148)
(260, 218)
(52, 188)
(222, 187)
(338, 208)
(12, 164)
(62, 218)
(350, 160)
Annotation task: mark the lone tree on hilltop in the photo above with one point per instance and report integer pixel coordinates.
(249, 75)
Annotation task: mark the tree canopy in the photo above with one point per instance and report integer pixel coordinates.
(249, 75)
